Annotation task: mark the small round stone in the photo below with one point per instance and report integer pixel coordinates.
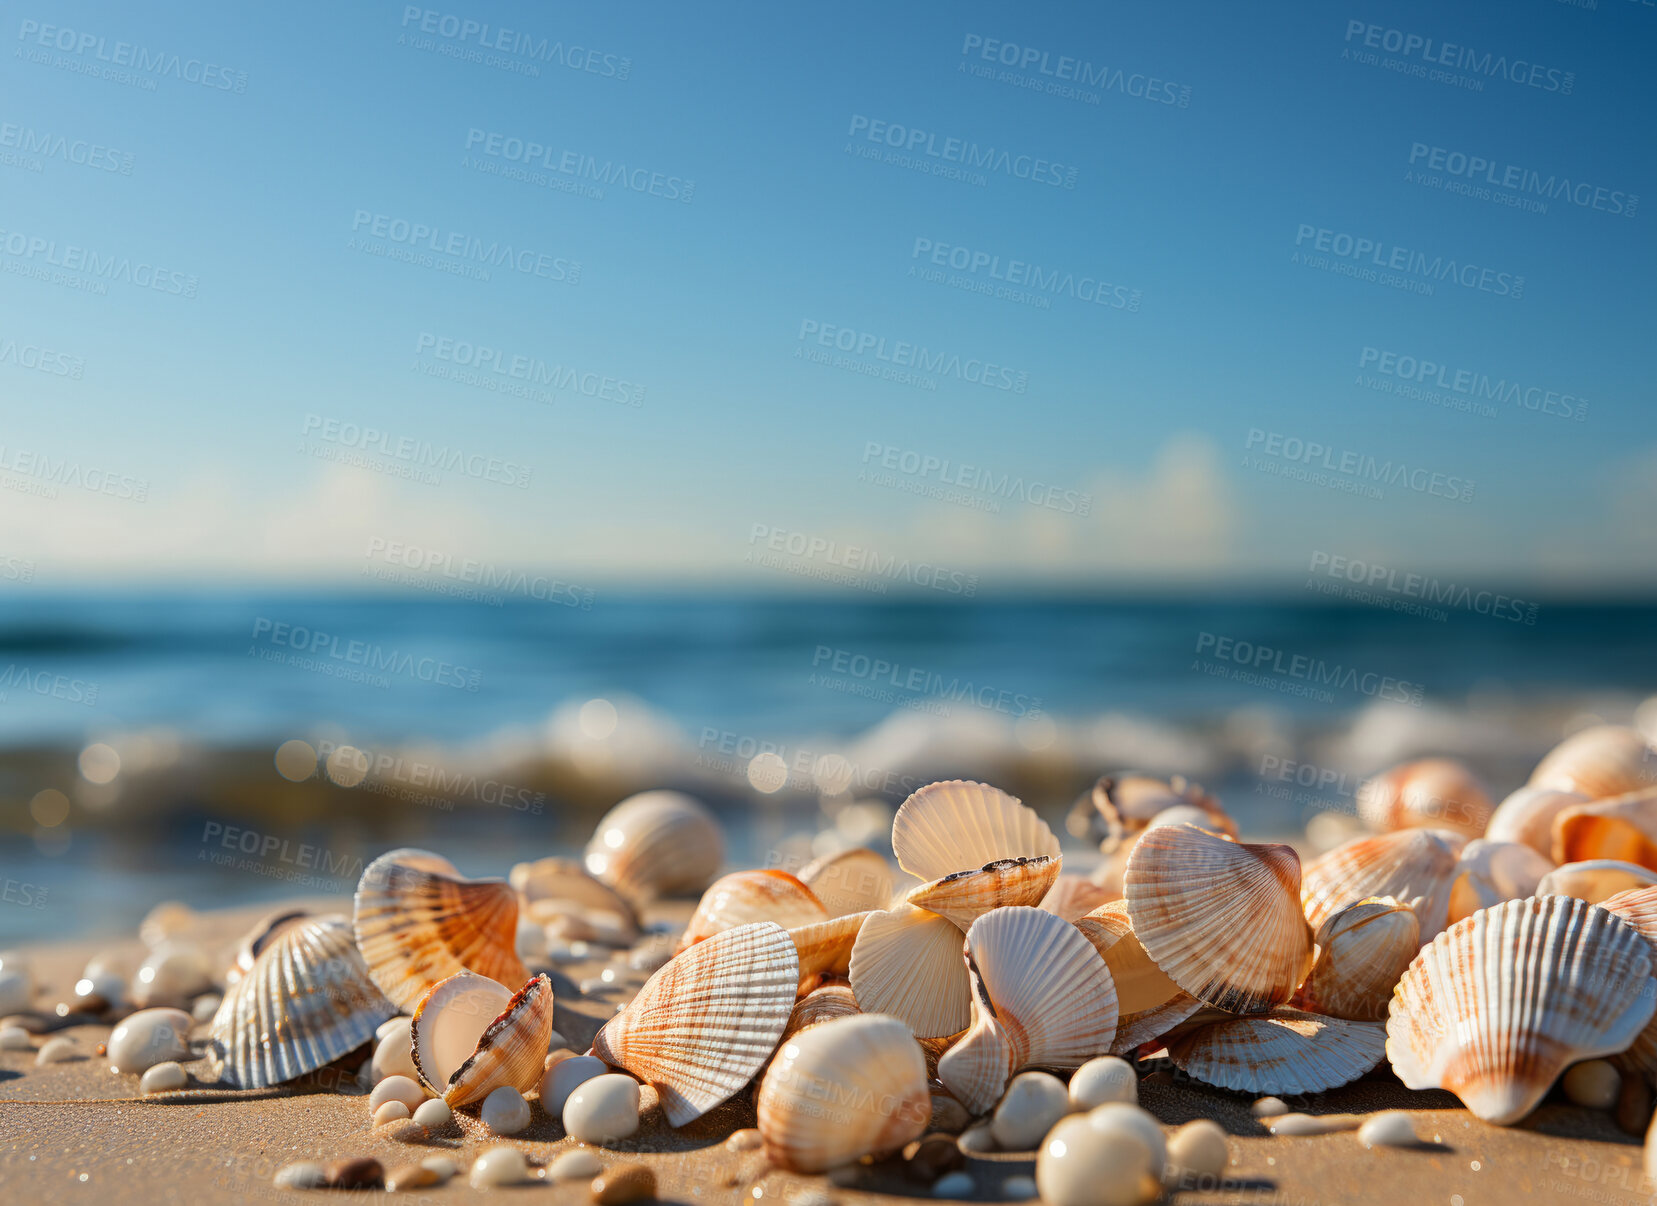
(1018, 1189)
(558, 1082)
(1594, 1084)
(745, 1140)
(1033, 1102)
(162, 1078)
(505, 1111)
(1389, 1128)
(15, 1038)
(977, 1139)
(603, 1109)
(1106, 1079)
(147, 1038)
(555, 1057)
(362, 1172)
(1081, 1166)
(441, 1165)
(1269, 1107)
(500, 1165)
(172, 974)
(623, 1183)
(411, 1176)
(396, 1088)
(305, 1174)
(57, 1050)
(1199, 1149)
(948, 1114)
(577, 1165)
(433, 1113)
(394, 1054)
(1119, 1116)
(400, 1022)
(953, 1185)
(390, 1111)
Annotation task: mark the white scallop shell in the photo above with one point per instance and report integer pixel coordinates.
(1284, 1051)
(656, 843)
(1413, 866)
(906, 962)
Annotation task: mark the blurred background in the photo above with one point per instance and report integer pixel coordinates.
(430, 425)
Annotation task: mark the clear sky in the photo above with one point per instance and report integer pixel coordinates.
(713, 218)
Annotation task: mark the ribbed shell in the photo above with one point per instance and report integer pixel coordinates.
(821, 1005)
(1622, 828)
(1639, 909)
(1363, 951)
(306, 1000)
(657, 843)
(1599, 762)
(1527, 816)
(1072, 896)
(960, 826)
(825, 947)
(512, 1052)
(850, 881)
(1042, 996)
(1119, 806)
(744, 897)
(906, 962)
(1498, 1005)
(1284, 1051)
(1149, 1004)
(849, 1088)
(1221, 918)
(1488, 873)
(705, 1023)
(419, 921)
(1413, 866)
(1595, 880)
(966, 896)
(1433, 793)
(564, 879)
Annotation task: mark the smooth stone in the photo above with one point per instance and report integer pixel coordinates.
(360, 1172)
(15, 1038)
(441, 1165)
(505, 1111)
(558, 1083)
(931, 1156)
(1594, 1084)
(57, 1050)
(1103, 1080)
(390, 1111)
(411, 1176)
(1198, 1149)
(977, 1139)
(556, 1057)
(499, 1165)
(1018, 1188)
(1268, 1107)
(400, 1022)
(1032, 1104)
(579, 1165)
(394, 1056)
(1119, 1116)
(147, 1038)
(1079, 1165)
(1389, 1128)
(171, 975)
(603, 1109)
(623, 1183)
(948, 1114)
(205, 1007)
(17, 990)
(434, 1113)
(397, 1088)
(305, 1174)
(954, 1185)
(163, 1078)
(745, 1140)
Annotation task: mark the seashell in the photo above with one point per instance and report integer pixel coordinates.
(472, 1036)
(966, 896)
(1190, 814)
(1120, 806)
(419, 921)
(656, 843)
(1622, 828)
(1148, 1003)
(1073, 895)
(1498, 1005)
(906, 962)
(1527, 816)
(1595, 880)
(1638, 907)
(825, 947)
(821, 1005)
(306, 1000)
(1284, 1051)
(744, 897)
(703, 1025)
(1362, 952)
(1221, 918)
(258, 938)
(1599, 762)
(854, 880)
(1490, 872)
(978, 847)
(1432, 793)
(1413, 866)
(846, 1089)
(565, 882)
(1041, 997)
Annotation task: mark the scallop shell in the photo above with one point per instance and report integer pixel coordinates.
(744, 897)
(708, 1020)
(825, 947)
(1527, 816)
(853, 880)
(945, 828)
(1363, 951)
(419, 921)
(1433, 793)
(1599, 762)
(566, 881)
(305, 1000)
(1622, 828)
(966, 896)
(1042, 996)
(1413, 866)
(1113, 868)
(1595, 880)
(1639, 909)
(1284, 1051)
(1498, 1005)
(843, 1090)
(1072, 896)
(512, 1030)
(1148, 1003)
(1490, 872)
(1119, 806)
(821, 1005)
(657, 843)
(1221, 918)
(906, 962)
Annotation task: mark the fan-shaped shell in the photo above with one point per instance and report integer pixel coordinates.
(826, 946)
(1595, 880)
(1363, 951)
(1284, 1051)
(1221, 918)
(966, 896)
(1527, 816)
(1433, 793)
(419, 921)
(254, 942)
(1488, 873)
(305, 1000)
(1042, 996)
(510, 1047)
(821, 1005)
(1148, 1003)
(906, 962)
(657, 843)
(954, 826)
(854, 880)
(1622, 828)
(743, 897)
(1072, 896)
(1497, 1006)
(845, 1089)
(1413, 866)
(565, 880)
(1638, 908)
(1599, 762)
(1119, 806)
(707, 1021)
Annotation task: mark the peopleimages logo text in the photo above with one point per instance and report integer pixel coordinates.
(968, 154)
(906, 355)
(1358, 466)
(468, 32)
(1461, 58)
(1421, 371)
(1380, 254)
(1521, 180)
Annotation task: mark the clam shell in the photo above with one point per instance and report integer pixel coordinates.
(657, 843)
(511, 1045)
(306, 1000)
(954, 826)
(1072, 896)
(1284, 1051)
(254, 942)
(565, 880)
(845, 1089)
(1599, 762)
(906, 962)
(1042, 997)
(1363, 951)
(707, 1021)
(1488, 873)
(966, 896)
(1148, 1003)
(1496, 1007)
(1433, 793)
(821, 1005)
(1221, 918)
(744, 897)
(825, 947)
(1622, 828)
(419, 921)
(1119, 806)
(1414, 866)
(1527, 816)
(854, 880)
(1595, 880)
(1639, 909)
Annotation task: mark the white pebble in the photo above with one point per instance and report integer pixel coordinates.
(505, 1111)
(953, 1185)
(434, 1113)
(390, 1111)
(977, 1139)
(147, 1038)
(306, 1174)
(15, 1038)
(1033, 1102)
(579, 1165)
(603, 1109)
(163, 1078)
(1198, 1149)
(1268, 1107)
(1079, 1165)
(400, 1022)
(500, 1165)
(171, 975)
(1389, 1128)
(441, 1165)
(746, 1140)
(1119, 1116)
(55, 1051)
(1018, 1188)
(559, 1081)
(394, 1053)
(397, 1088)
(1106, 1079)
(1594, 1084)
(17, 989)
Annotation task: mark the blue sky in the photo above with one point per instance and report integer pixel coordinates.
(1146, 412)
